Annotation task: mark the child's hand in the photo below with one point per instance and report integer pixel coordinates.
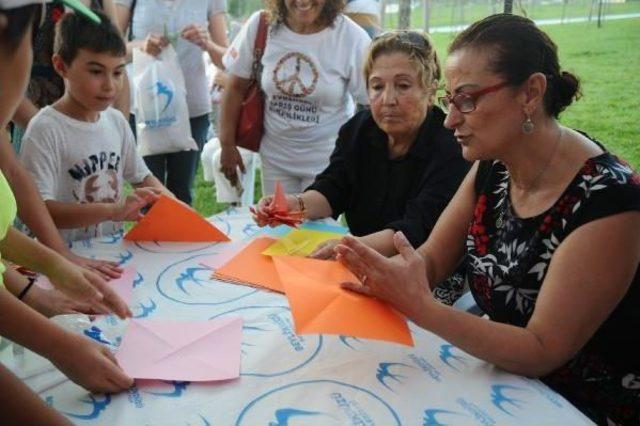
(106, 269)
(52, 302)
(129, 208)
(87, 287)
(90, 365)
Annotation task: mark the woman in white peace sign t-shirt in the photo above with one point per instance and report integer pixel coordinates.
(312, 80)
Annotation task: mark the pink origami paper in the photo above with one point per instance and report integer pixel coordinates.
(182, 350)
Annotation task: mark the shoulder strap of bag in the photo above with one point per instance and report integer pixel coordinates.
(259, 45)
(133, 7)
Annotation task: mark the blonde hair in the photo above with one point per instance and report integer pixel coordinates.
(417, 46)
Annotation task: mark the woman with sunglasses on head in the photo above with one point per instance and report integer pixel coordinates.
(548, 220)
(395, 167)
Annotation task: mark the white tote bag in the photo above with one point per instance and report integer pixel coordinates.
(162, 117)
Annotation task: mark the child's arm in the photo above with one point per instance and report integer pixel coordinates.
(87, 363)
(74, 281)
(151, 182)
(49, 302)
(33, 212)
(20, 406)
(76, 215)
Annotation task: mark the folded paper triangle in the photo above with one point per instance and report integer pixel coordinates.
(320, 305)
(171, 220)
(251, 267)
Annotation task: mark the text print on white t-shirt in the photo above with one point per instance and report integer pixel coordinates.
(97, 178)
(296, 77)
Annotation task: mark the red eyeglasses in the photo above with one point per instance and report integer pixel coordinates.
(466, 102)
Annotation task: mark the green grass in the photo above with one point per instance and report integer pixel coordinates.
(448, 12)
(607, 60)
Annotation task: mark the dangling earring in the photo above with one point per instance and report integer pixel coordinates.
(527, 125)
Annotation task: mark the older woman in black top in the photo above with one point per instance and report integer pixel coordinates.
(395, 167)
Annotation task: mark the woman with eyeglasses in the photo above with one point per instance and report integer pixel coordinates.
(547, 220)
(395, 167)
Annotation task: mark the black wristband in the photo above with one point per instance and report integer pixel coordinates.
(26, 288)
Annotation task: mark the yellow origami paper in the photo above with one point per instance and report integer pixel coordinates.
(300, 242)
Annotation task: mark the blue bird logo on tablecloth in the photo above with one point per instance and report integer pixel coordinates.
(447, 356)
(178, 389)
(98, 406)
(146, 310)
(346, 339)
(383, 373)
(283, 415)
(433, 416)
(500, 398)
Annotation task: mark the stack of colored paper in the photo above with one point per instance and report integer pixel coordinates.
(300, 242)
(278, 212)
(251, 267)
(313, 288)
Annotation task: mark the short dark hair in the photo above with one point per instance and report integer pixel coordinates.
(74, 32)
(518, 49)
(18, 20)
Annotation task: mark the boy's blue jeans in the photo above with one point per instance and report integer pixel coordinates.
(177, 170)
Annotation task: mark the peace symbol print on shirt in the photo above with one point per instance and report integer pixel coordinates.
(295, 75)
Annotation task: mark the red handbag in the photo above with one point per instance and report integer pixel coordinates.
(250, 121)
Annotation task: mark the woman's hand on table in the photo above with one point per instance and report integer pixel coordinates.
(264, 209)
(85, 286)
(89, 364)
(325, 250)
(400, 281)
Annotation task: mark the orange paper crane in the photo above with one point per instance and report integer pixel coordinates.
(279, 213)
(172, 220)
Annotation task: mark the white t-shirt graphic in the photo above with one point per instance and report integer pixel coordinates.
(310, 82)
(75, 161)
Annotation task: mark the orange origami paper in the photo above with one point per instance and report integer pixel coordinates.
(320, 305)
(171, 220)
(252, 267)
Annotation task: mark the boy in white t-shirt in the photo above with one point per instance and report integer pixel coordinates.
(80, 150)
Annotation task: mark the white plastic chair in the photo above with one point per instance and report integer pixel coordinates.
(225, 193)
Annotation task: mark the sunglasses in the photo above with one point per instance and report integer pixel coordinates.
(412, 38)
(466, 102)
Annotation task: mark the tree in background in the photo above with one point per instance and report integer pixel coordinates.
(404, 14)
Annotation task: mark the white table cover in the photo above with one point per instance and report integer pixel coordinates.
(286, 379)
